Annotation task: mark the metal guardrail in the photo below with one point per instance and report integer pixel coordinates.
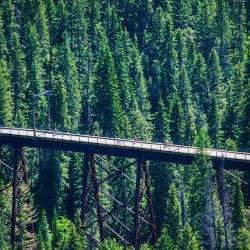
(124, 143)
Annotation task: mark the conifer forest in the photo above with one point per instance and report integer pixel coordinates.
(170, 71)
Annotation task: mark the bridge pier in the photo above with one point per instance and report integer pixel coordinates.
(142, 171)
(85, 174)
(222, 199)
(137, 204)
(150, 202)
(140, 216)
(17, 159)
(89, 170)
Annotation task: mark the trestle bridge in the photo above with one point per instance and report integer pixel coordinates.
(143, 224)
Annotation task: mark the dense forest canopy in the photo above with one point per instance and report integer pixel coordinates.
(155, 70)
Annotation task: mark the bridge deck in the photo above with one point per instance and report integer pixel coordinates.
(119, 147)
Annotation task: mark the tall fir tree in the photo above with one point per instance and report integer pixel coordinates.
(6, 100)
(67, 67)
(108, 105)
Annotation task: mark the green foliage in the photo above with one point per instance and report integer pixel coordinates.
(6, 100)
(243, 239)
(173, 213)
(3, 232)
(65, 235)
(239, 213)
(163, 70)
(110, 244)
(165, 241)
(188, 239)
(108, 105)
(176, 117)
(44, 234)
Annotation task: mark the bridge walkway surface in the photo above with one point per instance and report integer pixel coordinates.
(120, 147)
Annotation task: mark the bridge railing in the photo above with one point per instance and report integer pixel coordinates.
(125, 143)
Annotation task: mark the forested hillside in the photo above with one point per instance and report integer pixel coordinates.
(155, 70)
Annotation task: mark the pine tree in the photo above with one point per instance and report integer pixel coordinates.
(239, 38)
(59, 109)
(200, 87)
(19, 81)
(65, 235)
(50, 185)
(188, 239)
(205, 24)
(224, 36)
(42, 27)
(199, 180)
(73, 191)
(79, 40)
(3, 43)
(35, 76)
(182, 13)
(173, 213)
(3, 232)
(165, 241)
(108, 106)
(44, 234)
(161, 123)
(169, 61)
(217, 98)
(26, 217)
(67, 67)
(242, 241)
(6, 100)
(110, 244)
(176, 120)
(239, 214)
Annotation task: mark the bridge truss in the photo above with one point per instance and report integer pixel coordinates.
(127, 215)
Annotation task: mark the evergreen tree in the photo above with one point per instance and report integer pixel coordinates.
(224, 37)
(169, 61)
(239, 39)
(200, 85)
(182, 13)
(3, 227)
(161, 123)
(25, 217)
(42, 27)
(110, 244)
(35, 76)
(44, 234)
(108, 106)
(65, 235)
(6, 100)
(50, 186)
(173, 213)
(239, 214)
(205, 24)
(73, 191)
(19, 81)
(165, 241)
(176, 120)
(200, 176)
(59, 109)
(243, 242)
(67, 67)
(188, 239)
(217, 97)
(3, 43)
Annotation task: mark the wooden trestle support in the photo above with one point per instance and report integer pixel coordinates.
(142, 215)
(19, 179)
(222, 196)
(98, 214)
